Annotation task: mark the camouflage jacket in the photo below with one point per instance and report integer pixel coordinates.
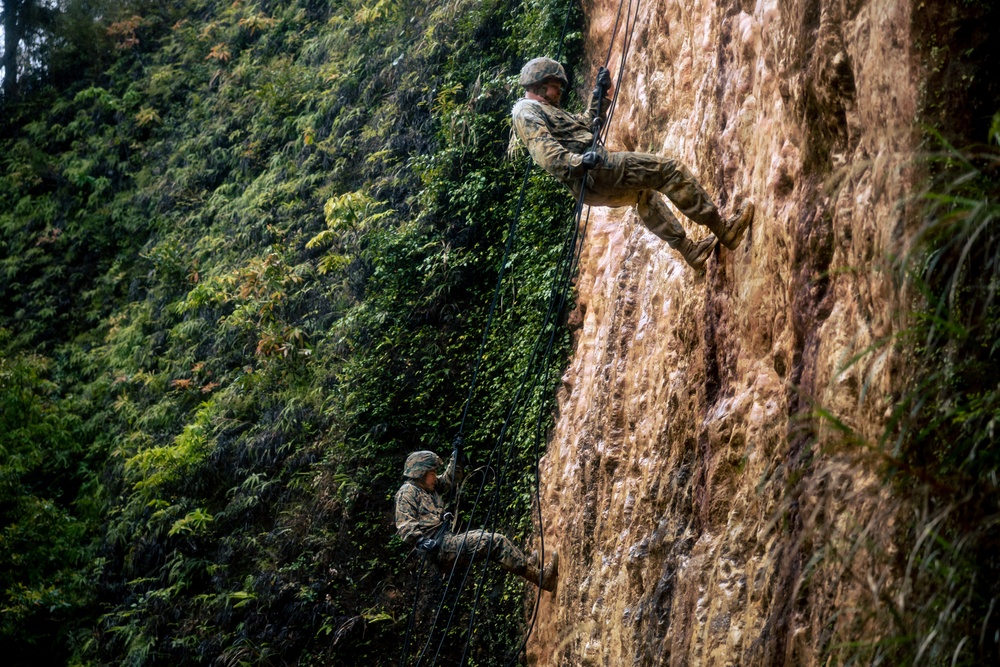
(555, 139)
(419, 512)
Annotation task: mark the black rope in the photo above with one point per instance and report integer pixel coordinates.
(537, 455)
(558, 298)
(413, 614)
(529, 379)
(511, 233)
(575, 250)
(503, 262)
(556, 303)
(614, 32)
(626, 46)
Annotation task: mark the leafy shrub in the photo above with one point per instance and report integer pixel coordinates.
(260, 246)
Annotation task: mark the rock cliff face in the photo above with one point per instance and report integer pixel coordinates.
(705, 513)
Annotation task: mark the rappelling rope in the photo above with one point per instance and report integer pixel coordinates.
(529, 381)
(506, 254)
(558, 300)
(531, 378)
(511, 235)
(560, 295)
(413, 612)
(630, 17)
(607, 57)
(576, 250)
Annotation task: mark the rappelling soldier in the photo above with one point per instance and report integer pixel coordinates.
(562, 144)
(422, 523)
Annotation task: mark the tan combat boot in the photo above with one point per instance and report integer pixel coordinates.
(548, 578)
(735, 226)
(696, 254)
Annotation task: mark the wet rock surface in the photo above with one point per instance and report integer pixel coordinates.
(693, 499)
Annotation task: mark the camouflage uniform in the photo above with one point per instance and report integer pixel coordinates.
(556, 141)
(419, 513)
(476, 544)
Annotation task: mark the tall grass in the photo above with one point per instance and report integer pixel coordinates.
(926, 551)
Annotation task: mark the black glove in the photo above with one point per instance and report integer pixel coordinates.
(590, 159)
(458, 452)
(604, 78)
(427, 546)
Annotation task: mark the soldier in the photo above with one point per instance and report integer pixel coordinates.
(420, 520)
(561, 144)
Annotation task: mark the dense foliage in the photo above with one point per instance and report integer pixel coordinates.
(941, 441)
(248, 252)
(940, 444)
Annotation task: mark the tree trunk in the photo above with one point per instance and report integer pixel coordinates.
(12, 24)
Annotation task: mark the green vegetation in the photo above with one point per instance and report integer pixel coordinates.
(248, 251)
(48, 506)
(941, 441)
(939, 528)
(940, 446)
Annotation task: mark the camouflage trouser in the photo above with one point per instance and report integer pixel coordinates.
(637, 179)
(475, 544)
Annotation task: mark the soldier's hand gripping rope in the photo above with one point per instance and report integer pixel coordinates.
(427, 546)
(601, 87)
(590, 159)
(458, 452)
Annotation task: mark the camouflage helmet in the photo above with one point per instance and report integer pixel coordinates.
(540, 69)
(418, 463)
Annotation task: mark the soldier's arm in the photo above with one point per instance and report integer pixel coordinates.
(453, 475)
(587, 117)
(407, 517)
(447, 479)
(547, 153)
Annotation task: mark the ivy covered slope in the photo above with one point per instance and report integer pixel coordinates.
(246, 269)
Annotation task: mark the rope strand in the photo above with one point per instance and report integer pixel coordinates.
(533, 378)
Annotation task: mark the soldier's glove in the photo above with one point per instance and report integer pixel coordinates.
(458, 453)
(426, 546)
(604, 79)
(590, 159)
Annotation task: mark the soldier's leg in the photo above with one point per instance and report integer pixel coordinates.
(470, 545)
(479, 544)
(677, 182)
(508, 556)
(513, 560)
(660, 220)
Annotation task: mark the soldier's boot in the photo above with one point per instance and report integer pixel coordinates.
(546, 579)
(730, 231)
(696, 254)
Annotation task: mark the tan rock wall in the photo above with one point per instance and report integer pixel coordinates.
(703, 518)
